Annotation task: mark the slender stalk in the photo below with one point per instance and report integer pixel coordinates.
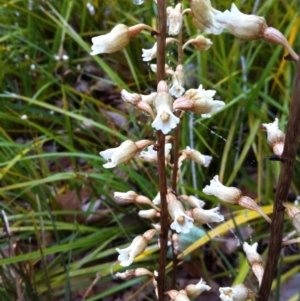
(288, 161)
(161, 50)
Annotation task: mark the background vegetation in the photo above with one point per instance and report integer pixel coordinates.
(60, 107)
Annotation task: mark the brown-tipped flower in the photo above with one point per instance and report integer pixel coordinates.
(149, 214)
(247, 27)
(238, 292)
(233, 196)
(140, 101)
(194, 155)
(165, 120)
(275, 136)
(199, 43)
(123, 153)
(116, 39)
(134, 273)
(174, 19)
(194, 290)
(205, 16)
(294, 214)
(181, 221)
(254, 260)
(199, 101)
(202, 216)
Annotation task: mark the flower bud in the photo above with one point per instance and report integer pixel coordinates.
(134, 273)
(178, 295)
(177, 82)
(275, 136)
(192, 201)
(150, 213)
(202, 216)
(238, 292)
(196, 156)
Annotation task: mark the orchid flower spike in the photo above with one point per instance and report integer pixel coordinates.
(140, 101)
(254, 260)
(194, 290)
(233, 196)
(165, 119)
(182, 223)
(194, 155)
(199, 101)
(174, 19)
(177, 82)
(117, 39)
(248, 27)
(123, 153)
(275, 136)
(238, 292)
(205, 17)
(137, 247)
(199, 43)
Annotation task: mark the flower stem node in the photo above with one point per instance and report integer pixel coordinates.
(238, 292)
(123, 153)
(199, 101)
(165, 119)
(194, 290)
(181, 221)
(117, 39)
(275, 136)
(247, 27)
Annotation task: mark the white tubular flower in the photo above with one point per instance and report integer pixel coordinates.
(136, 248)
(125, 197)
(123, 153)
(149, 213)
(134, 273)
(254, 260)
(248, 27)
(140, 101)
(202, 216)
(165, 119)
(293, 213)
(168, 69)
(178, 295)
(275, 136)
(174, 19)
(177, 82)
(192, 201)
(233, 196)
(199, 43)
(194, 290)
(205, 16)
(199, 101)
(238, 292)
(151, 155)
(196, 156)
(117, 39)
(149, 54)
(156, 200)
(182, 222)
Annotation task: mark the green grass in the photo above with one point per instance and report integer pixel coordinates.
(68, 105)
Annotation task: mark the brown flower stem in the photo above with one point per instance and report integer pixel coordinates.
(285, 178)
(161, 51)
